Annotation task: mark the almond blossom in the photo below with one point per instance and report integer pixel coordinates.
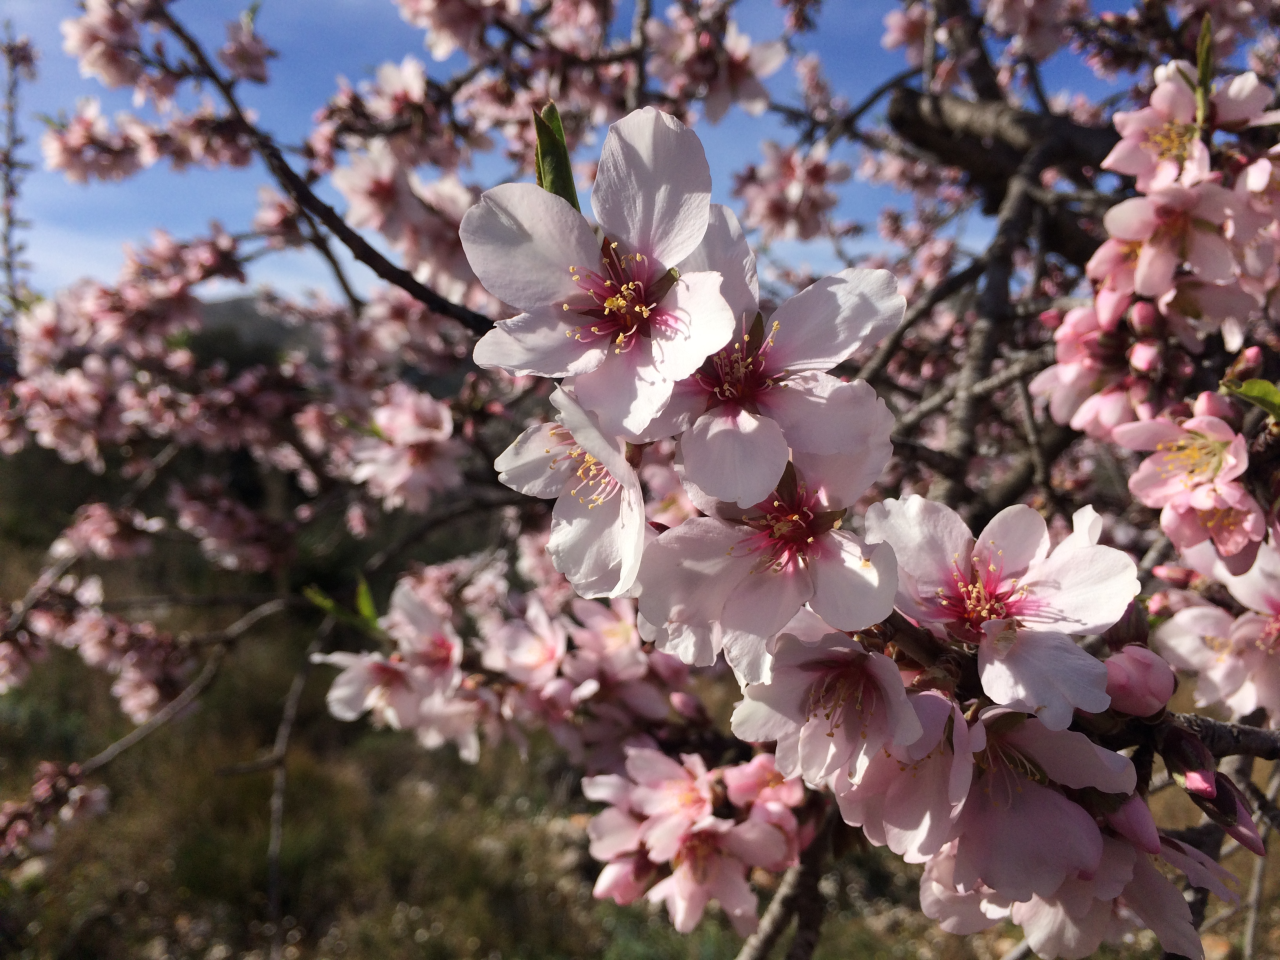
(1234, 658)
(1017, 834)
(413, 454)
(426, 661)
(829, 705)
(1007, 594)
(908, 797)
(1175, 225)
(598, 523)
(1160, 144)
(612, 316)
(768, 392)
(715, 584)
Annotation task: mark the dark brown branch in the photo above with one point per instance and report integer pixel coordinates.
(302, 195)
(1232, 739)
(1054, 441)
(1028, 363)
(965, 35)
(993, 312)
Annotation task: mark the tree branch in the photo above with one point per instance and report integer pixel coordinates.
(302, 195)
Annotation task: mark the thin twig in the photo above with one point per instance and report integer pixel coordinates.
(163, 716)
(280, 780)
(799, 883)
(939, 292)
(1028, 363)
(302, 195)
(636, 83)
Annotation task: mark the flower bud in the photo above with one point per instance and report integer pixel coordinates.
(1051, 319)
(687, 706)
(1134, 821)
(1145, 356)
(1230, 810)
(1189, 761)
(1144, 319)
(1139, 682)
(1246, 366)
(1215, 405)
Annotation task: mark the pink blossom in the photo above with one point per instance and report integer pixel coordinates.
(1035, 25)
(1006, 593)
(1175, 225)
(1234, 658)
(598, 525)
(1139, 682)
(712, 584)
(1223, 513)
(245, 53)
(611, 317)
(767, 391)
(1160, 144)
(105, 41)
(786, 196)
(908, 797)
(906, 29)
(1017, 834)
(829, 705)
(412, 455)
(528, 651)
(712, 863)
(1198, 451)
(759, 781)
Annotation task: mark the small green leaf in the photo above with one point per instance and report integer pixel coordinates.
(1261, 393)
(1204, 70)
(364, 603)
(551, 156)
(320, 599)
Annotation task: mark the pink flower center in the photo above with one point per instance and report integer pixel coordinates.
(699, 852)
(624, 299)
(737, 373)
(979, 596)
(788, 529)
(436, 653)
(844, 686)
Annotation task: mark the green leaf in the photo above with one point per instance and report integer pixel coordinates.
(320, 599)
(1204, 69)
(364, 603)
(1261, 393)
(551, 156)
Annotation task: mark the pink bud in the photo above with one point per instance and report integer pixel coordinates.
(1174, 575)
(1139, 682)
(1051, 319)
(1144, 356)
(1110, 307)
(1144, 319)
(1134, 821)
(1201, 783)
(1247, 365)
(1215, 405)
(687, 705)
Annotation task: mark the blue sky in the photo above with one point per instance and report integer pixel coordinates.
(78, 230)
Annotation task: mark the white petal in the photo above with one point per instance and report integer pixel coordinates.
(653, 186)
(827, 322)
(854, 586)
(521, 241)
(734, 455)
(724, 250)
(529, 464)
(538, 344)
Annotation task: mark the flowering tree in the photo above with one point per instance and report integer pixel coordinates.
(885, 498)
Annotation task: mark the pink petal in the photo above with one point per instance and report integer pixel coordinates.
(653, 186)
(827, 322)
(521, 240)
(734, 455)
(853, 586)
(537, 344)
